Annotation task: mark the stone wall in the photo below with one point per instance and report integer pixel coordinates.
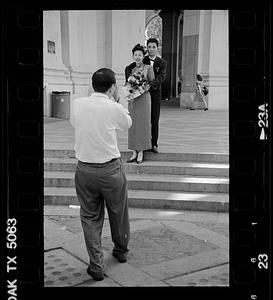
(86, 41)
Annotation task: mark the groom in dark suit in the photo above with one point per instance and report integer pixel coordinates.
(160, 69)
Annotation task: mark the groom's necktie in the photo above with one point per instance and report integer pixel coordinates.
(152, 61)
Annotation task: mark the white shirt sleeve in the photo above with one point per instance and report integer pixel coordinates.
(123, 119)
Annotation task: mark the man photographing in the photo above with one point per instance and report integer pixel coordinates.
(100, 178)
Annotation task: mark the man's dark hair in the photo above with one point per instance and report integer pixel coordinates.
(103, 79)
(139, 47)
(152, 40)
(199, 77)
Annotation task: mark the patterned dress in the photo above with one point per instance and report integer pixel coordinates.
(139, 134)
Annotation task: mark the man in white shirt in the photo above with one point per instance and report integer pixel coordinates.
(100, 177)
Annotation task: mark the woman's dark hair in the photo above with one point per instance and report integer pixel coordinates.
(103, 79)
(139, 47)
(199, 77)
(152, 40)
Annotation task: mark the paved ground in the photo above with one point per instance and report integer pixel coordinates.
(181, 130)
(167, 248)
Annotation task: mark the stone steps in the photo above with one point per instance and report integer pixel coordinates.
(216, 202)
(149, 167)
(150, 182)
(190, 181)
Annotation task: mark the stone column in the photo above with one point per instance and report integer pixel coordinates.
(115, 33)
(205, 51)
(128, 29)
(83, 49)
(218, 61)
(204, 43)
(189, 56)
(56, 76)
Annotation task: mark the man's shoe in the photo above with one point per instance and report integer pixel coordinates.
(121, 257)
(98, 276)
(154, 149)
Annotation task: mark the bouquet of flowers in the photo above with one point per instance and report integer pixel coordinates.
(135, 86)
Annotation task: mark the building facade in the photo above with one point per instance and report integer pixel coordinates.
(77, 43)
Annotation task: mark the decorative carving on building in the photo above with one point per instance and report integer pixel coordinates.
(154, 29)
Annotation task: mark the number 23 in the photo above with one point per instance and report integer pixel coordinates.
(263, 263)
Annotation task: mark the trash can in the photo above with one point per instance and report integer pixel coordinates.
(60, 105)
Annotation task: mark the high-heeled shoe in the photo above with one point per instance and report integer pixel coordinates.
(132, 159)
(139, 161)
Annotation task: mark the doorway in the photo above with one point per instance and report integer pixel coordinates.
(172, 38)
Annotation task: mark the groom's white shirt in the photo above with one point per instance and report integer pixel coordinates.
(96, 119)
(152, 60)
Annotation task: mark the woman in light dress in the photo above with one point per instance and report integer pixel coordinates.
(199, 92)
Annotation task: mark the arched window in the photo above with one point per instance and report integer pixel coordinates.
(154, 29)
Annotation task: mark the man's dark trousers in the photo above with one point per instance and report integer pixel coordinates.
(155, 114)
(97, 184)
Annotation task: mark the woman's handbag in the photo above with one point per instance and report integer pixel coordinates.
(205, 90)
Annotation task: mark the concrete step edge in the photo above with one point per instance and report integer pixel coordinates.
(143, 194)
(149, 169)
(216, 157)
(188, 164)
(144, 177)
(212, 202)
